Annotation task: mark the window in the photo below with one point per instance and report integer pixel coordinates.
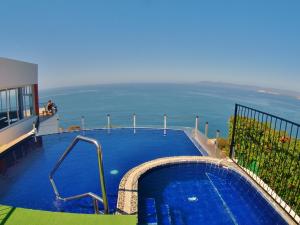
(15, 104)
(27, 101)
(3, 109)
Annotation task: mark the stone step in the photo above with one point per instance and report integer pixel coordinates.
(165, 214)
(151, 214)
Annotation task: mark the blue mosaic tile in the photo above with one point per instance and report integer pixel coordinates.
(206, 194)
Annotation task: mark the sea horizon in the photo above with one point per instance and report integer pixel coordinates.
(265, 89)
(211, 101)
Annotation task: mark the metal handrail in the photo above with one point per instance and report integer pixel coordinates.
(264, 146)
(95, 197)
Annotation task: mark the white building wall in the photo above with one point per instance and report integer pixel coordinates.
(16, 130)
(15, 73)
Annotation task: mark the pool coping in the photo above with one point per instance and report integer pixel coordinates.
(128, 189)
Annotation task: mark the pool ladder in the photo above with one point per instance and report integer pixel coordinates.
(95, 197)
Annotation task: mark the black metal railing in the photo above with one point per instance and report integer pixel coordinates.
(267, 147)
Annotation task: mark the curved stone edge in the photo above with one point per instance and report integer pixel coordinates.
(128, 189)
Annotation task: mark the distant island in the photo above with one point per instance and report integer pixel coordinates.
(268, 92)
(271, 91)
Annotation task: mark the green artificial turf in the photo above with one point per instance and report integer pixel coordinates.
(20, 216)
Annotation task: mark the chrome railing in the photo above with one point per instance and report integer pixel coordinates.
(95, 197)
(164, 121)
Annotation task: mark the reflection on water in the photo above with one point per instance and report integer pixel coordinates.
(19, 151)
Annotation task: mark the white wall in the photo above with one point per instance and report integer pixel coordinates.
(16, 130)
(15, 73)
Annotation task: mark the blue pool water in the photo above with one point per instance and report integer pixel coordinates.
(26, 181)
(201, 193)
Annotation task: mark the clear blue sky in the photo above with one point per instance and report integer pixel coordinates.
(88, 42)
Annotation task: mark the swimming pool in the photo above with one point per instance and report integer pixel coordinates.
(26, 181)
(201, 193)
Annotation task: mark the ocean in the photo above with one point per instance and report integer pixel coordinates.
(181, 102)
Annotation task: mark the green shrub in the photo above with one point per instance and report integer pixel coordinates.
(271, 154)
(223, 145)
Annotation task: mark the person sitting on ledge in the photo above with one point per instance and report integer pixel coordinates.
(51, 108)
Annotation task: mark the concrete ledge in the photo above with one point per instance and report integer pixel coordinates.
(209, 145)
(128, 188)
(16, 130)
(10, 144)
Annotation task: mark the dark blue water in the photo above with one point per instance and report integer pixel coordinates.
(182, 102)
(202, 194)
(26, 183)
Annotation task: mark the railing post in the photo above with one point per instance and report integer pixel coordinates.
(231, 153)
(108, 121)
(134, 123)
(82, 120)
(165, 124)
(96, 206)
(58, 130)
(197, 123)
(217, 134)
(34, 131)
(217, 143)
(206, 129)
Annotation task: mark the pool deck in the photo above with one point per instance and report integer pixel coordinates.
(19, 216)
